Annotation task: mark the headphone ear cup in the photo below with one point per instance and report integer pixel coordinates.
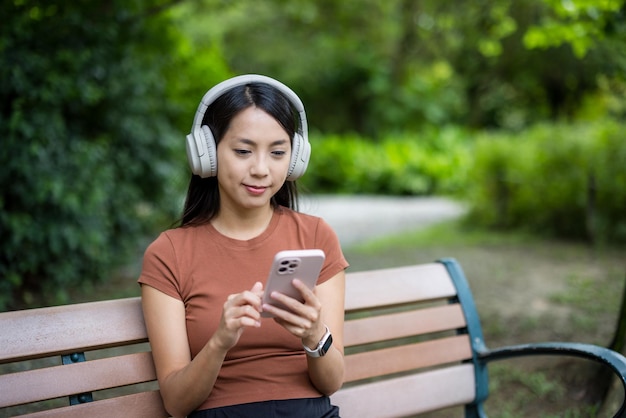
(201, 152)
(209, 160)
(300, 154)
(194, 150)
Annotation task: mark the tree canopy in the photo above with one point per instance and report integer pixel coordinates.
(371, 66)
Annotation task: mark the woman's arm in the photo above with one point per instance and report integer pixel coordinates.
(185, 383)
(323, 307)
(327, 372)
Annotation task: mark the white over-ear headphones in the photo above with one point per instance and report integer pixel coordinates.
(201, 145)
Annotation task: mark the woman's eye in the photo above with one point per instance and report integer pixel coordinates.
(279, 153)
(242, 151)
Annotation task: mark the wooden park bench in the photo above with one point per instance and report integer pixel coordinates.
(413, 344)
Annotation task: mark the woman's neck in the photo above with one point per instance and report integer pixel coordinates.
(242, 225)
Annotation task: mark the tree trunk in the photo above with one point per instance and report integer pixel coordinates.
(601, 380)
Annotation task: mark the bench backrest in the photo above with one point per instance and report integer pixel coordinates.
(405, 328)
(110, 333)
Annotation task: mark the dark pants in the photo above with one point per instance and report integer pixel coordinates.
(289, 408)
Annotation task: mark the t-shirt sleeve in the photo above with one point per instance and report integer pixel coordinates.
(327, 240)
(160, 267)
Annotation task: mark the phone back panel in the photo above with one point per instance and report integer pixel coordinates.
(304, 265)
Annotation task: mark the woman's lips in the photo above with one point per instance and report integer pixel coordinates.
(256, 190)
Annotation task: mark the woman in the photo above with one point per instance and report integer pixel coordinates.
(202, 283)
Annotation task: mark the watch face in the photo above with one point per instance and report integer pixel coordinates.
(322, 347)
(327, 344)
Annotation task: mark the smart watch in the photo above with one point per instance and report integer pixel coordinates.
(322, 347)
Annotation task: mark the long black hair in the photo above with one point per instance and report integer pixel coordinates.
(203, 199)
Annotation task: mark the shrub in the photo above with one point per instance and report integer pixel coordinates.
(564, 180)
(86, 142)
(430, 162)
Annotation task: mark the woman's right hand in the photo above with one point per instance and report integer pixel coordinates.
(241, 311)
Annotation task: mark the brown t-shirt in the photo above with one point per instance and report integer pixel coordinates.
(201, 267)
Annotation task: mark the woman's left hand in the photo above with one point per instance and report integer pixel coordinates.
(303, 319)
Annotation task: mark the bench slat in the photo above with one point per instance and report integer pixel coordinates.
(42, 332)
(394, 286)
(407, 357)
(138, 405)
(35, 385)
(408, 395)
(404, 324)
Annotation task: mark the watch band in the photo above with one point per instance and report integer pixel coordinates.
(322, 347)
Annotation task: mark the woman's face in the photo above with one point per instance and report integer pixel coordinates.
(252, 160)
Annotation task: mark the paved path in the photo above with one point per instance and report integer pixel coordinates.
(360, 218)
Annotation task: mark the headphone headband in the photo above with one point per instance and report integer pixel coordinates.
(241, 80)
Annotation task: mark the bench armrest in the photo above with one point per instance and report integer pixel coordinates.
(615, 361)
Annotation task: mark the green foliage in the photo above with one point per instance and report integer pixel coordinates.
(372, 66)
(564, 180)
(579, 23)
(86, 141)
(432, 161)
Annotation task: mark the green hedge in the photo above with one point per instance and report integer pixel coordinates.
(431, 162)
(567, 181)
(88, 150)
(562, 180)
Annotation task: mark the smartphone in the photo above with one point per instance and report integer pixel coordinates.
(304, 265)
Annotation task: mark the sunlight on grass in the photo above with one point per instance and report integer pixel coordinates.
(453, 233)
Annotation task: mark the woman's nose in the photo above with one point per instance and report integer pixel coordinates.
(260, 166)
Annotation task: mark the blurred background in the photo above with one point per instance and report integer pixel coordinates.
(517, 109)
